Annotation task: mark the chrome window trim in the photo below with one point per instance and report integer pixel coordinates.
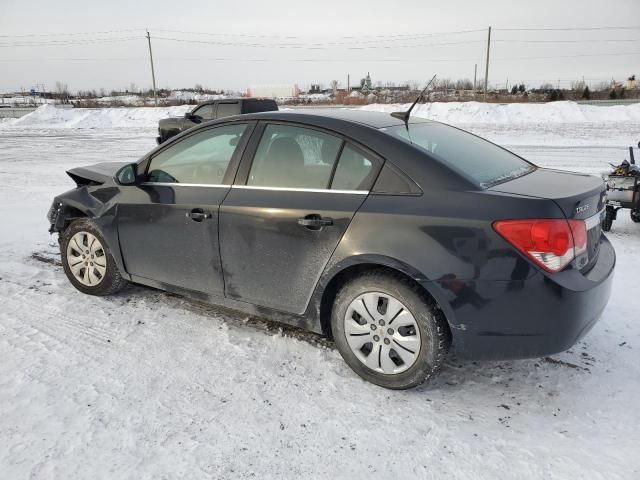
(293, 189)
(177, 184)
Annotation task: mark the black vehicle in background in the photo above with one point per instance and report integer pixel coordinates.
(212, 110)
(399, 238)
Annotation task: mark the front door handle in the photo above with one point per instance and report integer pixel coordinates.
(315, 221)
(197, 215)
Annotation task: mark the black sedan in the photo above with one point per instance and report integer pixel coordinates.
(398, 240)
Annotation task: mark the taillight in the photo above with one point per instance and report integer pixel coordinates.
(551, 244)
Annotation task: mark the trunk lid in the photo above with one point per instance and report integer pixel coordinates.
(579, 196)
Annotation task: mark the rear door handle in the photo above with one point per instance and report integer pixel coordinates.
(315, 221)
(198, 215)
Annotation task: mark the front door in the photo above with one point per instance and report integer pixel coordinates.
(168, 225)
(280, 225)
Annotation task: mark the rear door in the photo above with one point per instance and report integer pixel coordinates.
(282, 219)
(168, 225)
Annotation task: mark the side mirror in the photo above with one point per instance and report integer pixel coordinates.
(188, 115)
(127, 175)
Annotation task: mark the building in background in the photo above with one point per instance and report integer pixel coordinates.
(277, 92)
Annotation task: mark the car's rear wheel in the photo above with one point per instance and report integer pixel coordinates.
(635, 216)
(388, 331)
(87, 261)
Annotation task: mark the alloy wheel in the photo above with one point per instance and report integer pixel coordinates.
(86, 259)
(382, 333)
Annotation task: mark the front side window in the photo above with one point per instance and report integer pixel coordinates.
(294, 157)
(353, 172)
(205, 112)
(201, 158)
(481, 161)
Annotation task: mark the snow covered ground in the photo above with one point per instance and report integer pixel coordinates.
(148, 385)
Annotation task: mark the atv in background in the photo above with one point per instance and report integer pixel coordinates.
(623, 191)
(212, 110)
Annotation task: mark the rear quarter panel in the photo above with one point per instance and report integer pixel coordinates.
(442, 239)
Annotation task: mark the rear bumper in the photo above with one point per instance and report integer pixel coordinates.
(542, 315)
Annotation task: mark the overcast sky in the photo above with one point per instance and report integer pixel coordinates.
(257, 42)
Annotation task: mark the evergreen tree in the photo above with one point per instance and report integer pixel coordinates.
(586, 93)
(514, 90)
(612, 94)
(521, 88)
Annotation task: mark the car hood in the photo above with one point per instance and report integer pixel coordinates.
(170, 120)
(95, 174)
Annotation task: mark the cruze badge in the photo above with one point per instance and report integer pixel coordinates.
(582, 208)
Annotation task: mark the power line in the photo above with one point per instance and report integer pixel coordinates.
(64, 43)
(316, 46)
(67, 34)
(312, 60)
(351, 37)
(570, 41)
(567, 29)
(617, 54)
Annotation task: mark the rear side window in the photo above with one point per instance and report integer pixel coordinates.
(481, 161)
(353, 172)
(227, 109)
(294, 157)
(255, 106)
(201, 158)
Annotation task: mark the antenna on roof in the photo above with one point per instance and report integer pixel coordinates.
(404, 116)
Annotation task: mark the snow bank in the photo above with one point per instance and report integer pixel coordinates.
(48, 116)
(183, 96)
(516, 113)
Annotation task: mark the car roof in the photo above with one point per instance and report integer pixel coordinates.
(311, 115)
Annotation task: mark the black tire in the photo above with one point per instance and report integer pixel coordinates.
(434, 331)
(112, 281)
(607, 222)
(635, 216)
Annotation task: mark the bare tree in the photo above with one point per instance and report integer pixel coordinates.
(62, 90)
(578, 85)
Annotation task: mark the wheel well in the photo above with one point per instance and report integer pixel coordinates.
(71, 214)
(344, 276)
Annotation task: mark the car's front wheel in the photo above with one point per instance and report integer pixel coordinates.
(388, 331)
(87, 261)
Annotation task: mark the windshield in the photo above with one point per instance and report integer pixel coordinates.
(481, 161)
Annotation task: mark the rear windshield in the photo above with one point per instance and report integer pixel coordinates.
(256, 106)
(481, 161)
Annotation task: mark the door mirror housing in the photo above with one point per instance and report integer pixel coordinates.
(127, 175)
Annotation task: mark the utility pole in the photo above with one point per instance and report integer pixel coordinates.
(348, 84)
(486, 68)
(153, 73)
(475, 74)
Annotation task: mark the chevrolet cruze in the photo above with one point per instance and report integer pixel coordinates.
(399, 240)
